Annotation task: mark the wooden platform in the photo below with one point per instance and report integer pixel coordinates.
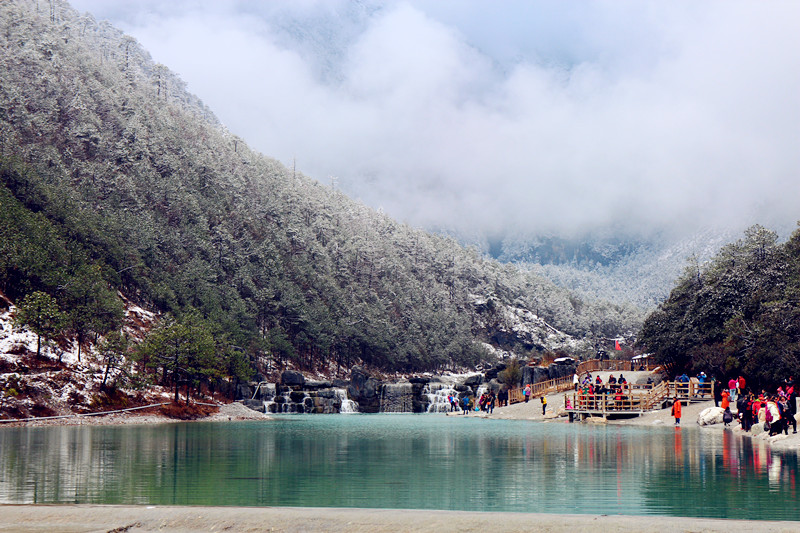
(636, 399)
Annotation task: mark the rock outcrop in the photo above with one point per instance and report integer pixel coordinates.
(710, 416)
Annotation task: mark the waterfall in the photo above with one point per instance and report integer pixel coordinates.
(481, 389)
(437, 394)
(266, 392)
(348, 405)
(321, 401)
(281, 403)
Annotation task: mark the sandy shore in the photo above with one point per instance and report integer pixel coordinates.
(117, 519)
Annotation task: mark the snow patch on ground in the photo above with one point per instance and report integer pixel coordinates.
(14, 341)
(521, 325)
(56, 383)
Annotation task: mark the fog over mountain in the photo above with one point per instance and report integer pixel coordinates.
(506, 122)
(478, 117)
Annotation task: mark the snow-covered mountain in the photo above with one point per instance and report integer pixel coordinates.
(620, 268)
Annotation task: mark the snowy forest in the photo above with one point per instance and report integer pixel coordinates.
(118, 185)
(738, 313)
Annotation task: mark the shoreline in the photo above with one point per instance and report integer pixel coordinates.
(231, 412)
(662, 417)
(530, 411)
(132, 518)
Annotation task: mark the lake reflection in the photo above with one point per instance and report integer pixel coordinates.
(403, 461)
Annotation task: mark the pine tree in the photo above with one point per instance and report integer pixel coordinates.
(39, 312)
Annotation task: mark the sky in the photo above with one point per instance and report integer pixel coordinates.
(495, 118)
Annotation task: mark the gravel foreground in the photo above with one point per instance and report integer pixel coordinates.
(118, 519)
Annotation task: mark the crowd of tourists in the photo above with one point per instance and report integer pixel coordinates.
(592, 392)
(777, 410)
(486, 402)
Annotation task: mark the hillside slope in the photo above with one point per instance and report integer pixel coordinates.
(135, 178)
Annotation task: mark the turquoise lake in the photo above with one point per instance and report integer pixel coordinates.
(403, 461)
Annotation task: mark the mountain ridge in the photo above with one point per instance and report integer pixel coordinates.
(180, 214)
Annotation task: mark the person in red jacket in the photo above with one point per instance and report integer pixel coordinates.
(676, 411)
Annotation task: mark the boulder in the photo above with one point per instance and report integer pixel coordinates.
(540, 373)
(265, 392)
(710, 416)
(537, 374)
(363, 389)
(292, 378)
(314, 384)
(474, 380)
(495, 385)
(244, 390)
(297, 396)
(528, 375)
(493, 372)
(561, 370)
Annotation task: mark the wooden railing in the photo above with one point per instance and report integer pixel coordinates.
(565, 383)
(690, 390)
(613, 364)
(657, 396)
(637, 398)
(602, 402)
(541, 388)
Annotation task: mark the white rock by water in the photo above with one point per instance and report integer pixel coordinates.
(710, 416)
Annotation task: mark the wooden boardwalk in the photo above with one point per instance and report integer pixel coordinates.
(635, 399)
(630, 399)
(564, 383)
(542, 388)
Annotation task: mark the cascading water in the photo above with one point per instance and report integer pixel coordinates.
(286, 402)
(348, 405)
(481, 389)
(415, 395)
(437, 394)
(267, 393)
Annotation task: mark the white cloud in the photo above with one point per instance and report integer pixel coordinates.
(481, 115)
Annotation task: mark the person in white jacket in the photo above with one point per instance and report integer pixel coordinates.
(774, 417)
